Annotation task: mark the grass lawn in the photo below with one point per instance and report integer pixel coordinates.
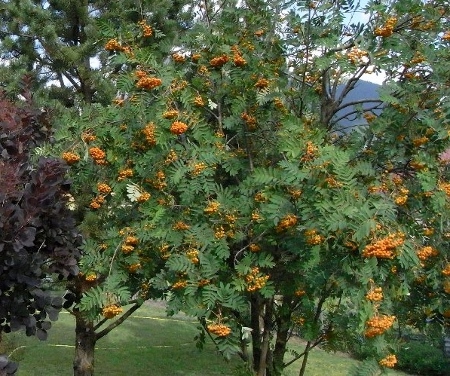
(146, 344)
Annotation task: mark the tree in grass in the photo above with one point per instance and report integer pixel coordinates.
(38, 237)
(226, 176)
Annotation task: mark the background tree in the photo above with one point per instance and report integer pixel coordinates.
(60, 42)
(226, 159)
(38, 237)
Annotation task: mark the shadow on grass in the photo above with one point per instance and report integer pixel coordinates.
(149, 343)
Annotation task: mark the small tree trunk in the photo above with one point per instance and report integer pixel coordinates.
(85, 339)
(255, 315)
(280, 347)
(305, 359)
(447, 346)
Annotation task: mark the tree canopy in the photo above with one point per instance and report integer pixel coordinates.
(233, 175)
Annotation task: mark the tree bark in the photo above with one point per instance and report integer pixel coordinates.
(280, 346)
(85, 339)
(255, 312)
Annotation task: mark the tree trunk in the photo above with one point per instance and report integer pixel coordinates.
(280, 346)
(85, 339)
(256, 313)
(265, 359)
(305, 359)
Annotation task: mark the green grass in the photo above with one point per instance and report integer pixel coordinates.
(148, 343)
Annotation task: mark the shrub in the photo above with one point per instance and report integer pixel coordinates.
(423, 359)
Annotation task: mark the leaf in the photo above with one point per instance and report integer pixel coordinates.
(133, 192)
(211, 104)
(27, 236)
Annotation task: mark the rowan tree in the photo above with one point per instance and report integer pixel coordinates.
(235, 176)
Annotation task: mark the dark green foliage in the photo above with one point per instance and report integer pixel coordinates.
(423, 359)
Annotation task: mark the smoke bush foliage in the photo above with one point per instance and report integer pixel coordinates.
(37, 232)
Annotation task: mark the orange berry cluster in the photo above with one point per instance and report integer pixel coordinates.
(192, 254)
(419, 141)
(260, 197)
(297, 320)
(332, 182)
(377, 325)
(149, 134)
(445, 186)
(254, 247)
(178, 127)
(144, 196)
(202, 70)
(447, 286)
(70, 158)
(170, 114)
(428, 231)
(219, 61)
(418, 58)
(446, 36)
(220, 330)
(288, 221)
(98, 155)
(299, 292)
(171, 157)
(133, 268)
(213, 207)
(356, 55)
(313, 238)
(104, 188)
(197, 168)
(198, 101)
(219, 232)
(146, 29)
(446, 270)
(426, 252)
(160, 181)
(310, 153)
(196, 57)
(388, 29)
(375, 294)
(111, 311)
(256, 216)
(129, 243)
(294, 192)
(148, 83)
(178, 85)
(203, 282)
(385, 247)
(91, 277)
(278, 103)
(179, 285)
(113, 45)
(255, 281)
(369, 116)
(401, 200)
(238, 60)
(178, 58)
(389, 361)
(125, 173)
(88, 137)
(249, 120)
(261, 83)
(180, 225)
(97, 202)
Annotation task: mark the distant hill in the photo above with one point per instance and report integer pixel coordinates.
(363, 90)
